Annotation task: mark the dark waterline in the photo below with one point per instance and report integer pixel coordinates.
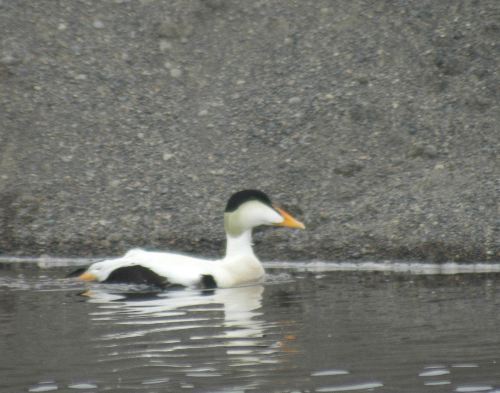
(321, 331)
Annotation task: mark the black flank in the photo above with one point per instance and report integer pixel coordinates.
(138, 275)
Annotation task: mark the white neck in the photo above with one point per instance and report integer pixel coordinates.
(240, 265)
(239, 245)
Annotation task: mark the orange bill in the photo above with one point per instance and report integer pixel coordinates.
(87, 277)
(289, 221)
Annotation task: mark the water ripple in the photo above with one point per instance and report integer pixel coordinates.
(324, 373)
(323, 332)
(434, 372)
(229, 320)
(43, 387)
(351, 387)
(472, 388)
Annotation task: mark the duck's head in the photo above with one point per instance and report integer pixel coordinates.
(250, 208)
(98, 271)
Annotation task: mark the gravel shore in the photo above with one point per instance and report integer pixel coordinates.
(129, 123)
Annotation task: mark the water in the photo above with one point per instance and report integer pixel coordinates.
(309, 328)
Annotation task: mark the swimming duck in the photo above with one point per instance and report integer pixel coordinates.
(244, 211)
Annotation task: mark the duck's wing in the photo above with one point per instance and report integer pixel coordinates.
(178, 269)
(161, 269)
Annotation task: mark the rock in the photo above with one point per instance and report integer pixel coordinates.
(214, 4)
(98, 24)
(176, 72)
(164, 45)
(167, 156)
(174, 29)
(348, 169)
(425, 151)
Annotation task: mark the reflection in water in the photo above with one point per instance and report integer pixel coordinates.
(43, 387)
(433, 372)
(191, 334)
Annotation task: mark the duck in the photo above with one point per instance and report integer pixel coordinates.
(240, 266)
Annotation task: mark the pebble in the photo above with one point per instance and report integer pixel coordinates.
(8, 59)
(167, 156)
(176, 72)
(98, 24)
(164, 45)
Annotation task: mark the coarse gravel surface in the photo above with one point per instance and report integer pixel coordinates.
(129, 123)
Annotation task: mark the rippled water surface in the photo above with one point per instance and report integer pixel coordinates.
(304, 330)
